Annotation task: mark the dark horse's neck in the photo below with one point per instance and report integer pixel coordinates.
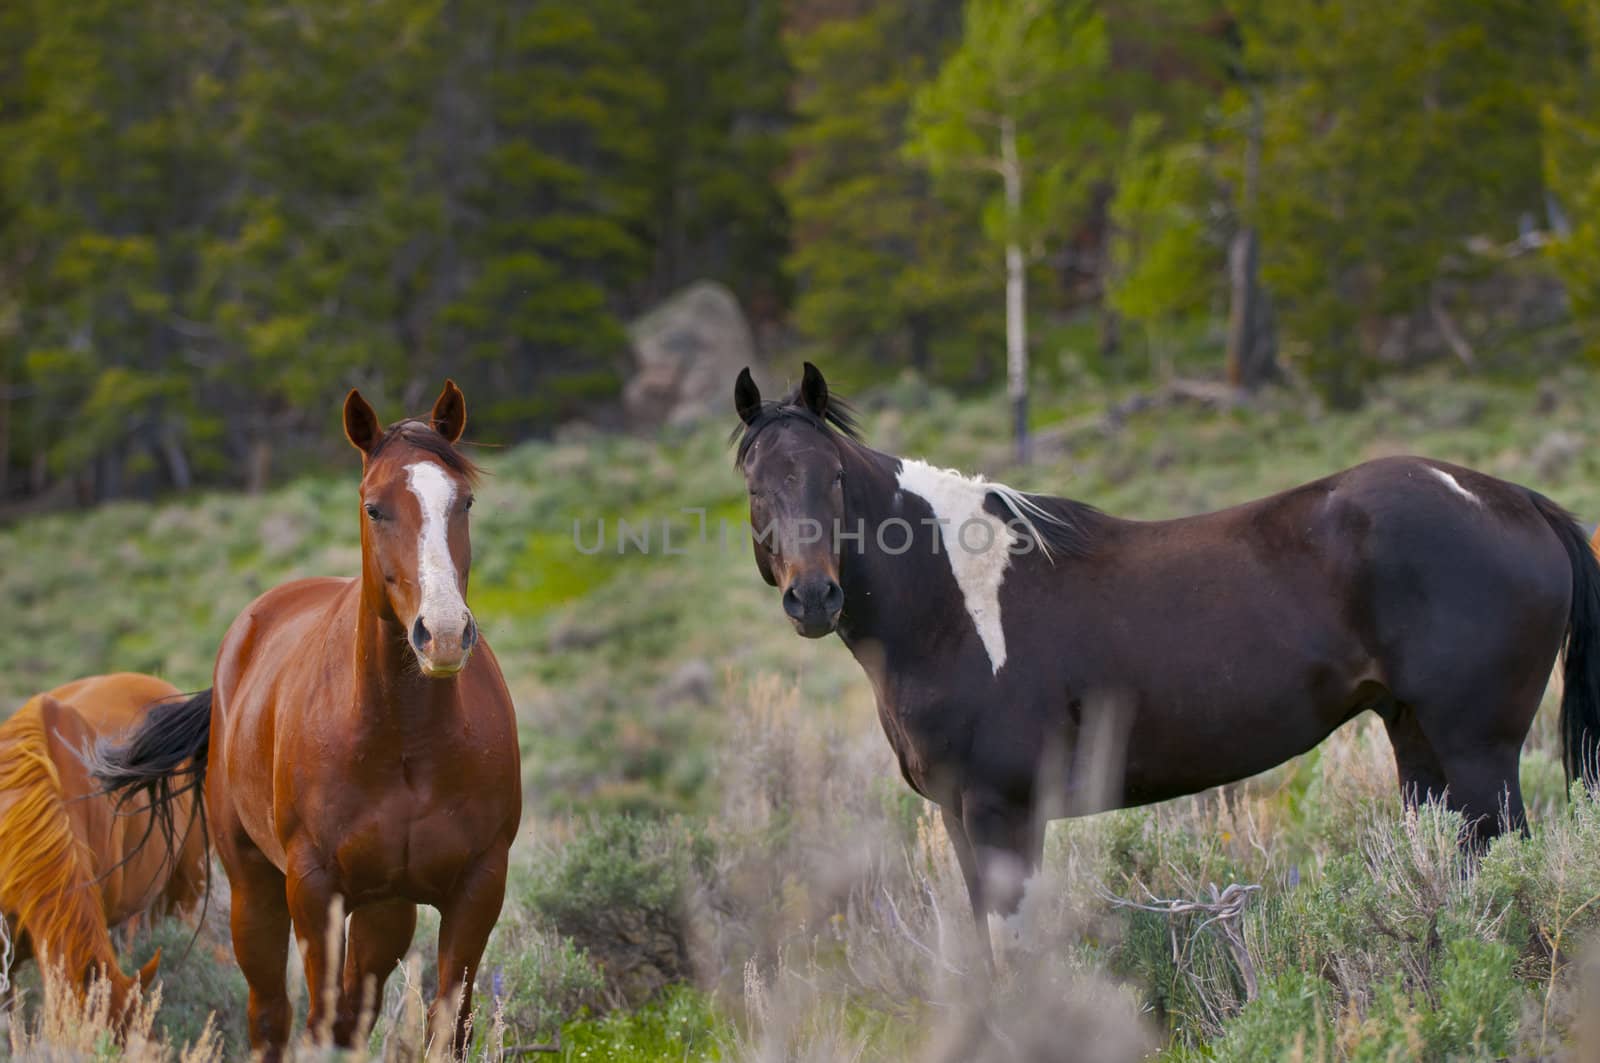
(390, 688)
(887, 591)
(900, 587)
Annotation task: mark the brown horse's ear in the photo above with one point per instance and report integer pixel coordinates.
(814, 391)
(361, 426)
(69, 735)
(449, 415)
(746, 396)
(147, 973)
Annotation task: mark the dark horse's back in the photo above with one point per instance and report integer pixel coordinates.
(1228, 642)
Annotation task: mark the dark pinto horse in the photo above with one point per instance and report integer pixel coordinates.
(995, 625)
(358, 749)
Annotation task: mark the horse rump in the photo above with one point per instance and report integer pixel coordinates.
(160, 760)
(1580, 698)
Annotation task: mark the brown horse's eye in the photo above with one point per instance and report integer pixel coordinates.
(374, 512)
(467, 505)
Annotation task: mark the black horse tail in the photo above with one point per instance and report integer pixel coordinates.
(160, 760)
(1580, 700)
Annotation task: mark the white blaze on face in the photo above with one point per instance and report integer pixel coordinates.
(976, 544)
(440, 606)
(1455, 485)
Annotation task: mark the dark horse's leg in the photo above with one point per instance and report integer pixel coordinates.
(1422, 777)
(1007, 846)
(969, 871)
(379, 936)
(1475, 728)
(1484, 788)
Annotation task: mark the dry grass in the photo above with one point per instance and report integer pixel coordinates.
(832, 922)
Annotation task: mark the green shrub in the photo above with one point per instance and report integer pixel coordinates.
(539, 978)
(195, 985)
(1480, 1001)
(1290, 1019)
(619, 890)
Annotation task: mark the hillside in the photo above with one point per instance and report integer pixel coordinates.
(772, 825)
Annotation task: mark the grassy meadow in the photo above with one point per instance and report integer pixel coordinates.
(719, 859)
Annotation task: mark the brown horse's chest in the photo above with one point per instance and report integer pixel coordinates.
(415, 853)
(406, 828)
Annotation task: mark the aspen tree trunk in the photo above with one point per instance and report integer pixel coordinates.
(1252, 339)
(1016, 289)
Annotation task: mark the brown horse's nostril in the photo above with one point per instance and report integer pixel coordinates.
(419, 635)
(469, 637)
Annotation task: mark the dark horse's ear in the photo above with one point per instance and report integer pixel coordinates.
(361, 426)
(746, 396)
(814, 391)
(449, 417)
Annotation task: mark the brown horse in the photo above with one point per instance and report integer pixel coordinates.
(359, 749)
(71, 866)
(1002, 630)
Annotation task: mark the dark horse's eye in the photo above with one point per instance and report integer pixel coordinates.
(467, 505)
(374, 512)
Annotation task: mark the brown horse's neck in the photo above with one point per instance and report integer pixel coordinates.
(389, 686)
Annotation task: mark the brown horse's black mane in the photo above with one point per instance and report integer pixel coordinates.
(425, 437)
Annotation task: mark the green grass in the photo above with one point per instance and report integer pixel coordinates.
(682, 1025)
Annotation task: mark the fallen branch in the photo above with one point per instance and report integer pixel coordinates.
(1223, 917)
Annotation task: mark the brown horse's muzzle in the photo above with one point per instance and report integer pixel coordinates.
(442, 654)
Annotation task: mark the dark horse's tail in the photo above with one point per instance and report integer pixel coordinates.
(160, 760)
(1580, 700)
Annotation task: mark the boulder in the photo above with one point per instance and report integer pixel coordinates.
(687, 352)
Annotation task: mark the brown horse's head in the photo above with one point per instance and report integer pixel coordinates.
(793, 469)
(125, 990)
(416, 489)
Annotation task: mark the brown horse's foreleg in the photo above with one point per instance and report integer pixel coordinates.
(464, 924)
(319, 929)
(379, 936)
(260, 923)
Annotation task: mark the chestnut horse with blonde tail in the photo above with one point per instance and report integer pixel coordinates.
(359, 751)
(72, 865)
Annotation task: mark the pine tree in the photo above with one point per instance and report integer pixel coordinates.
(882, 264)
(109, 169)
(1392, 134)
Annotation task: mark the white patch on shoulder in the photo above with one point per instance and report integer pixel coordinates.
(1455, 485)
(441, 601)
(976, 543)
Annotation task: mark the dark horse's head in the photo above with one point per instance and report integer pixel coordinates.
(416, 488)
(794, 468)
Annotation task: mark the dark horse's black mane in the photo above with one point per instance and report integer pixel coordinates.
(840, 418)
(1061, 526)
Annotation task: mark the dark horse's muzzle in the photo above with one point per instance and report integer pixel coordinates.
(813, 605)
